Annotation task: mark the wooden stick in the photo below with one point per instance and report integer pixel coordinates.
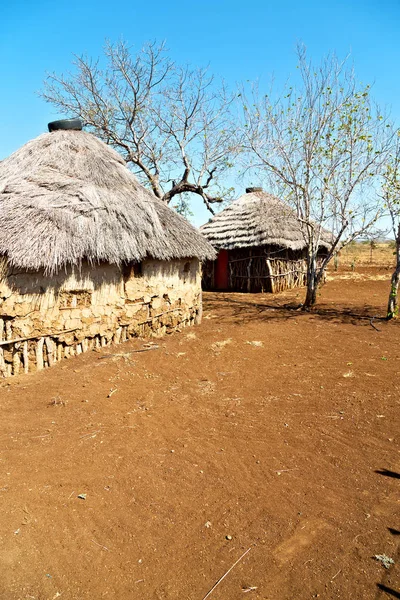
(50, 351)
(225, 574)
(35, 337)
(39, 354)
(117, 336)
(16, 362)
(25, 355)
(270, 273)
(371, 322)
(3, 368)
(159, 315)
(105, 548)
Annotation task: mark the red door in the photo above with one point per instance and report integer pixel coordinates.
(221, 271)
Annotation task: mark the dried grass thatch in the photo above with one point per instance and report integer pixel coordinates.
(257, 219)
(66, 197)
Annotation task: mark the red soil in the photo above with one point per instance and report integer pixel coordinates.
(280, 447)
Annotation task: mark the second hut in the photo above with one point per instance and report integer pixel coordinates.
(261, 246)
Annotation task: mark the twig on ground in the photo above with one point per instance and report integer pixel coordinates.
(340, 570)
(101, 545)
(225, 574)
(91, 434)
(146, 349)
(279, 471)
(371, 322)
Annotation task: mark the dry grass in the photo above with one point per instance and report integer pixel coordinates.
(364, 254)
(361, 261)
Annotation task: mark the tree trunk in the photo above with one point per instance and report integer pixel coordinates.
(393, 308)
(312, 281)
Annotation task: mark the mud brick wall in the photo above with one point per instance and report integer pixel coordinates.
(44, 319)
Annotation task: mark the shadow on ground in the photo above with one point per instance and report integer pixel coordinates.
(388, 473)
(244, 308)
(388, 590)
(383, 587)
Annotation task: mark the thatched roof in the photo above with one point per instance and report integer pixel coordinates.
(257, 219)
(66, 197)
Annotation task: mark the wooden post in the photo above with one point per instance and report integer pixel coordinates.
(16, 360)
(8, 330)
(117, 336)
(50, 351)
(39, 354)
(3, 368)
(249, 274)
(270, 273)
(25, 355)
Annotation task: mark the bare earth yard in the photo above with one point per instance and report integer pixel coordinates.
(264, 428)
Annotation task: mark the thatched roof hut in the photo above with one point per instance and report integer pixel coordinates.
(66, 197)
(261, 245)
(88, 256)
(257, 219)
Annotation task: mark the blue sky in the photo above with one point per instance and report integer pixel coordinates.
(239, 40)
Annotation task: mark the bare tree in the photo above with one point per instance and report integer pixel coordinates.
(391, 197)
(372, 238)
(322, 142)
(172, 124)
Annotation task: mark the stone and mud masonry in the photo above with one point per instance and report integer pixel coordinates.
(46, 318)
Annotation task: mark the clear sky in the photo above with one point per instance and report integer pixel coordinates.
(239, 40)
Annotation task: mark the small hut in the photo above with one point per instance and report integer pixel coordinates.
(87, 255)
(260, 244)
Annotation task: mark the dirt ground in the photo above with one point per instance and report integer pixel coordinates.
(264, 430)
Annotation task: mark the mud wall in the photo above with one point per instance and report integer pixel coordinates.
(44, 319)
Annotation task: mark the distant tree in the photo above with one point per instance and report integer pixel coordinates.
(322, 142)
(172, 124)
(391, 197)
(372, 238)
